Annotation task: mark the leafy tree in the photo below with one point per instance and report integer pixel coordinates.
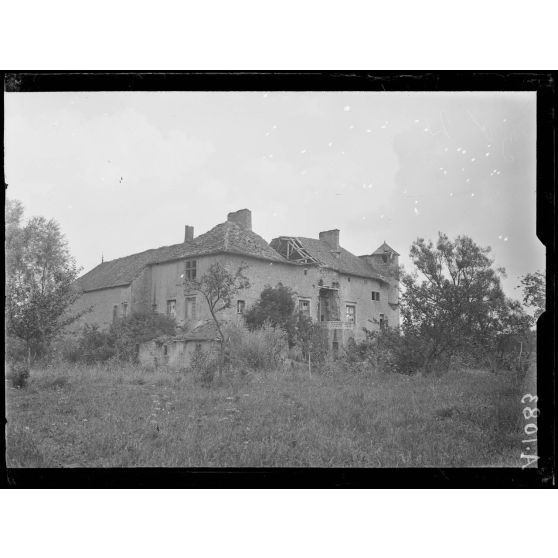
(534, 296)
(127, 333)
(451, 300)
(219, 286)
(40, 275)
(276, 306)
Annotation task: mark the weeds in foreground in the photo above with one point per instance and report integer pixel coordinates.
(115, 415)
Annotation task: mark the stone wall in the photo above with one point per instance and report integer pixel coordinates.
(102, 303)
(178, 353)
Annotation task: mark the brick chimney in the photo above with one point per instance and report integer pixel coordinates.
(242, 217)
(188, 233)
(331, 238)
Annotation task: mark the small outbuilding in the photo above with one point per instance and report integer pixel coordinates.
(176, 351)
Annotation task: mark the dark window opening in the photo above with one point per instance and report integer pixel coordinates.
(191, 270)
(165, 350)
(304, 306)
(240, 306)
(124, 309)
(115, 312)
(383, 321)
(375, 295)
(171, 308)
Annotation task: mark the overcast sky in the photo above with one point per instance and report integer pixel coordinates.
(124, 172)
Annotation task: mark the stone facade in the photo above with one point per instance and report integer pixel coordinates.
(344, 301)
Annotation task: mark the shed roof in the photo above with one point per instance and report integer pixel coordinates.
(227, 237)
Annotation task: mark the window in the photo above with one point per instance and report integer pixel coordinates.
(191, 270)
(171, 308)
(240, 305)
(349, 279)
(304, 306)
(375, 295)
(305, 272)
(190, 308)
(154, 308)
(165, 350)
(350, 313)
(124, 309)
(383, 321)
(115, 312)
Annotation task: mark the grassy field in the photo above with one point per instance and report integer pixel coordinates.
(124, 417)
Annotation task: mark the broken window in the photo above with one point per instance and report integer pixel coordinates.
(304, 306)
(171, 308)
(191, 270)
(375, 295)
(190, 308)
(350, 313)
(240, 306)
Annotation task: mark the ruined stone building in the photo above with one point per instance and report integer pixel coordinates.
(341, 291)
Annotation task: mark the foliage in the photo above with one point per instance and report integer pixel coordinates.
(40, 275)
(454, 299)
(219, 286)
(258, 349)
(311, 338)
(93, 345)
(127, 333)
(18, 374)
(276, 306)
(534, 296)
(203, 365)
(103, 418)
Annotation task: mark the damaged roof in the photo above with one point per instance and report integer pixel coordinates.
(346, 262)
(227, 237)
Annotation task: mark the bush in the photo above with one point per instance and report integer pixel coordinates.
(18, 374)
(311, 338)
(203, 365)
(275, 307)
(389, 351)
(127, 333)
(16, 349)
(93, 345)
(261, 349)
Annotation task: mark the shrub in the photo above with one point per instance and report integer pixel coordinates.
(127, 333)
(275, 307)
(18, 374)
(261, 349)
(203, 365)
(311, 338)
(93, 345)
(389, 351)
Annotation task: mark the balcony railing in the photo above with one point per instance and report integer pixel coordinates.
(337, 324)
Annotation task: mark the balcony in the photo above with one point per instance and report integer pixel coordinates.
(337, 324)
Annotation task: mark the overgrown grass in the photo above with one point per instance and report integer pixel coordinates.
(118, 416)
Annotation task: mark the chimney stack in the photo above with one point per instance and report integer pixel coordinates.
(188, 233)
(242, 217)
(331, 238)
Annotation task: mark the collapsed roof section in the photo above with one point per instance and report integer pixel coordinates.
(313, 251)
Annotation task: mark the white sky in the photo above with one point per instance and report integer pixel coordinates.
(124, 172)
